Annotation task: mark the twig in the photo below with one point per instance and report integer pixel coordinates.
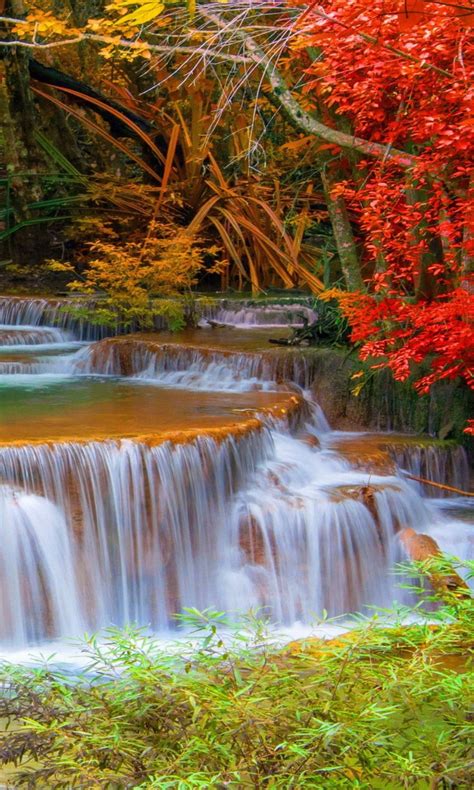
(438, 485)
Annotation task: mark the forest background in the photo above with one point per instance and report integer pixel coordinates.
(150, 148)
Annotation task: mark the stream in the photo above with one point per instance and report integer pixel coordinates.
(141, 477)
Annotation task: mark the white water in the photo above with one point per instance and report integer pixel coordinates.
(32, 336)
(253, 316)
(195, 368)
(442, 465)
(38, 592)
(20, 312)
(108, 533)
(255, 523)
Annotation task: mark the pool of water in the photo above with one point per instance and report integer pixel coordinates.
(54, 407)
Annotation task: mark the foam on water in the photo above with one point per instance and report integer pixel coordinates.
(256, 316)
(113, 532)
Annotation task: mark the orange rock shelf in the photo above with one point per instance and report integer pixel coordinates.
(282, 365)
(153, 415)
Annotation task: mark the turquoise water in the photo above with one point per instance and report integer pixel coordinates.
(57, 406)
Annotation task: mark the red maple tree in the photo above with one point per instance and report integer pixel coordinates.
(400, 72)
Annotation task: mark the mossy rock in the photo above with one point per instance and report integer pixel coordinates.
(388, 405)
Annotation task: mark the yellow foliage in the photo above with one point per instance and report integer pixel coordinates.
(144, 12)
(59, 266)
(130, 276)
(45, 25)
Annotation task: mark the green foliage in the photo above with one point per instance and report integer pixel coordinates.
(387, 705)
(332, 326)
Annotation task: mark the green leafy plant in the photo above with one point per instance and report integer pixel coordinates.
(388, 704)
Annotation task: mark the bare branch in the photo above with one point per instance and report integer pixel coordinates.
(303, 120)
(122, 43)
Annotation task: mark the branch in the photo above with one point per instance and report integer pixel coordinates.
(439, 485)
(303, 120)
(123, 43)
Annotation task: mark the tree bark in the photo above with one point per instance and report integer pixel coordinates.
(343, 235)
(22, 157)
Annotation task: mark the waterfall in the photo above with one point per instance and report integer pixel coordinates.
(250, 316)
(197, 368)
(447, 464)
(32, 336)
(270, 517)
(55, 363)
(263, 520)
(143, 522)
(38, 596)
(37, 312)
(176, 366)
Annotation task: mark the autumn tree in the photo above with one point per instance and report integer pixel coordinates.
(380, 98)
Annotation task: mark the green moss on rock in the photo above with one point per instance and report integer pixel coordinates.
(386, 404)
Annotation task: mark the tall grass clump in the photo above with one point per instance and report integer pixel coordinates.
(388, 705)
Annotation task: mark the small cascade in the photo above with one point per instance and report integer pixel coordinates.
(444, 463)
(32, 336)
(197, 368)
(38, 598)
(250, 316)
(37, 312)
(305, 539)
(37, 339)
(53, 364)
(176, 366)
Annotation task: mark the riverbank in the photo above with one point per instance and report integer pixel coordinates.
(382, 707)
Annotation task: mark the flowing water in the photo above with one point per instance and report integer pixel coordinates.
(250, 316)
(135, 481)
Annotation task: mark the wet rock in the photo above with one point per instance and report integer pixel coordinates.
(423, 548)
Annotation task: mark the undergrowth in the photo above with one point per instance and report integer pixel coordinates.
(389, 705)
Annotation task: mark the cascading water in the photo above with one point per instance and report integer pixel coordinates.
(110, 532)
(32, 336)
(250, 316)
(262, 522)
(196, 368)
(36, 570)
(439, 464)
(36, 312)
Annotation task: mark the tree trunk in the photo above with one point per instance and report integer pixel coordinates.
(22, 158)
(342, 230)
(468, 235)
(425, 285)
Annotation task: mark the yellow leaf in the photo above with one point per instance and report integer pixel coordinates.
(146, 13)
(357, 390)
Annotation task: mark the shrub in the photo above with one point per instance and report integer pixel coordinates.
(387, 705)
(134, 282)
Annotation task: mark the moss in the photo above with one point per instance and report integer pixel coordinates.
(386, 404)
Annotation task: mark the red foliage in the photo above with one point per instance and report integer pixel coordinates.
(420, 10)
(411, 87)
(404, 333)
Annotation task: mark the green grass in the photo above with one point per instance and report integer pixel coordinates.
(388, 707)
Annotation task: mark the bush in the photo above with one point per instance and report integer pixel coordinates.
(132, 283)
(388, 705)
